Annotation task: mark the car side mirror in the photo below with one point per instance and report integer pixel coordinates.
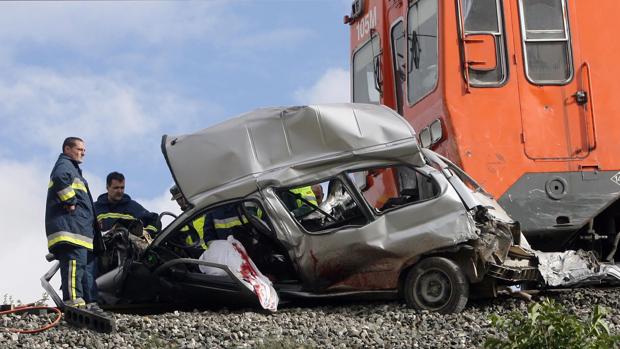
(436, 131)
(480, 51)
(425, 137)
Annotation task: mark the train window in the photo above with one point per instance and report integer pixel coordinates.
(398, 58)
(365, 83)
(546, 41)
(423, 52)
(485, 17)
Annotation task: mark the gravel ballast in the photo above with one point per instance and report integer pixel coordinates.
(374, 324)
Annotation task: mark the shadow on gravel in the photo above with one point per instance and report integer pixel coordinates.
(156, 309)
(504, 301)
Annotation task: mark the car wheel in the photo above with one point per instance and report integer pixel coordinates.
(436, 284)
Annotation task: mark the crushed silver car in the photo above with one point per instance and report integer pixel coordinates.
(328, 201)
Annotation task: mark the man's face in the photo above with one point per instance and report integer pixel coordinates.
(76, 152)
(116, 189)
(317, 189)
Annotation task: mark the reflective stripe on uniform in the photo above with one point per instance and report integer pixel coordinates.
(227, 222)
(50, 184)
(114, 215)
(79, 185)
(150, 227)
(66, 194)
(306, 193)
(199, 225)
(72, 281)
(65, 236)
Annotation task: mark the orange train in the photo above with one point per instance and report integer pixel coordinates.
(520, 93)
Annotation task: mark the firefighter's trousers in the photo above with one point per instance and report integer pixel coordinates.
(78, 269)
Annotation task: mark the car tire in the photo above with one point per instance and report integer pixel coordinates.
(436, 284)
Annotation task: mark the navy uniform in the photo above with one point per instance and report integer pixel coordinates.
(226, 220)
(109, 212)
(72, 236)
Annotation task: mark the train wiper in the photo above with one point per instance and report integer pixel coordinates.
(414, 51)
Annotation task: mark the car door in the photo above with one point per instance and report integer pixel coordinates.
(366, 242)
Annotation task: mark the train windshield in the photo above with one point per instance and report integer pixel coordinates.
(423, 58)
(365, 82)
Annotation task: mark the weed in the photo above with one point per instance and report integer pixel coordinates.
(549, 325)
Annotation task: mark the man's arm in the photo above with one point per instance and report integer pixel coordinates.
(62, 185)
(149, 219)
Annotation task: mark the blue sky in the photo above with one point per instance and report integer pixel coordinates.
(122, 74)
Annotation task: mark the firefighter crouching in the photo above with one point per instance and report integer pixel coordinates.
(116, 207)
(72, 233)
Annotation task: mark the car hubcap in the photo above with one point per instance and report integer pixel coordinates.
(433, 289)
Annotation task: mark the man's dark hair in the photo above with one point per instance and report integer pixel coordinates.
(114, 176)
(70, 142)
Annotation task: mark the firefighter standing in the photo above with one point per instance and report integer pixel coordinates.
(72, 232)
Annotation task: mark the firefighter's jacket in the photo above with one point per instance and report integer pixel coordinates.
(67, 187)
(198, 227)
(223, 221)
(306, 193)
(109, 212)
(295, 203)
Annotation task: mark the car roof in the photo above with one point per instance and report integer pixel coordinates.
(246, 146)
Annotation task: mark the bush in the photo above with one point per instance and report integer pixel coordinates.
(549, 325)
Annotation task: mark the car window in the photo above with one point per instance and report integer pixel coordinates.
(321, 206)
(239, 219)
(388, 187)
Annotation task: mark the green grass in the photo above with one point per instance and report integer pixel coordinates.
(548, 325)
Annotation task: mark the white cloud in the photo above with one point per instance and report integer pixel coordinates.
(160, 204)
(98, 28)
(331, 87)
(270, 39)
(22, 229)
(117, 112)
(104, 24)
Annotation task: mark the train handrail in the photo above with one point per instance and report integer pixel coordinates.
(591, 146)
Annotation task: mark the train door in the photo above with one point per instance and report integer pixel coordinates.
(553, 94)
